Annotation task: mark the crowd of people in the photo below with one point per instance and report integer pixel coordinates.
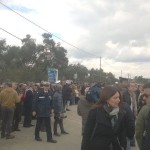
(114, 117)
(117, 118)
(37, 101)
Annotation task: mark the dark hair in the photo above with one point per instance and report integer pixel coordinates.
(106, 94)
(9, 84)
(147, 85)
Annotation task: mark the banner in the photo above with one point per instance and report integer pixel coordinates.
(52, 75)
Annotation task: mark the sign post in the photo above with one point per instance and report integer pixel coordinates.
(52, 75)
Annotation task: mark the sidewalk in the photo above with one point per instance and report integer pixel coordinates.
(24, 140)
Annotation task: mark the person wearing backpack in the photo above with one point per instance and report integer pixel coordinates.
(142, 128)
(93, 94)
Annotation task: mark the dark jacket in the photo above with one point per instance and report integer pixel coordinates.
(28, 101)
(58, 102)
(126, 97)
(129, 120)
(66, 92)
(105, 135)
(42, 104)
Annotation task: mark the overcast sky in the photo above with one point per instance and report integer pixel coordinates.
(118, 31)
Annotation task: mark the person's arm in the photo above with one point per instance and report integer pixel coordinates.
(90, 124)
(130, 121)
(17, 98)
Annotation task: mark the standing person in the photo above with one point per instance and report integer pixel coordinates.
(129, 97)
(8, 99)
(77, 94)
(42, 109)
(66, 93)
(28, 101)
(58, 110)
(141, 122)
(18, 109)
(123, 84)
(105, 126)
(83, 109)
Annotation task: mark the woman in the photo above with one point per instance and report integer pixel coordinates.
(104, 129)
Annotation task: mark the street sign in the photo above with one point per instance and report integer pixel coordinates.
(52, 75)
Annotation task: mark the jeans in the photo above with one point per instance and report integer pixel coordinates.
(7, 118)
(128, 144)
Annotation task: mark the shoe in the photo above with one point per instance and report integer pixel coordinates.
(64, 132)
(52, 141)
(3, 135)
(67, 109)
(38, 139)
(56, 134)
(10, 136)
(17, 130)
(132, 144)
(31, 125)
(64, 116)
(26, 126)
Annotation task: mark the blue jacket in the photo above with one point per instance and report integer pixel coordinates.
(42, 104)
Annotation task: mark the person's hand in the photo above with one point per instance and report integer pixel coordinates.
(122, 148)
(33, 113)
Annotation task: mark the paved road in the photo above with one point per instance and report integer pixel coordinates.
(24, 140)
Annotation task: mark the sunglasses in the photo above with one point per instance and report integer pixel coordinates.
(146, 95)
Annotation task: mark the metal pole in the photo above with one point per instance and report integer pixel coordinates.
(100, 70)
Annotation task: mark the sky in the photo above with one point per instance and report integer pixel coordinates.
(118, 31)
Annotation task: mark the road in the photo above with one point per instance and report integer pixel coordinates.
(24, 140)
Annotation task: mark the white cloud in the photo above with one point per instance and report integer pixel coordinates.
(118, 31)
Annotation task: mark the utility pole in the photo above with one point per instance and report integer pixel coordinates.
(121, 73)
(100, 70)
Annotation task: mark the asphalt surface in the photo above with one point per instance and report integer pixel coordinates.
(24, 140)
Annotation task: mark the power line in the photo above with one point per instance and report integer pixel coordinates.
(50, 32)
(11, 34)
(46, 30)
(21, 41)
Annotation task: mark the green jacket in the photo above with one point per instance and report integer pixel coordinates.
(141, 123)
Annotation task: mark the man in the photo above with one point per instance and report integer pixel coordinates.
(8, 99)
(142, 116)
(123, 84)
(42, 109)
(28, 101)
(130, 98)
(17, 112)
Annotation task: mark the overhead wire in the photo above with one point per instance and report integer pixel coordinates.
(11, 34)
(21, 41)
(48, 31)
(45, 29)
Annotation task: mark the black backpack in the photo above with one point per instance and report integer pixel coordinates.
(146, 138)
(90, 95)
